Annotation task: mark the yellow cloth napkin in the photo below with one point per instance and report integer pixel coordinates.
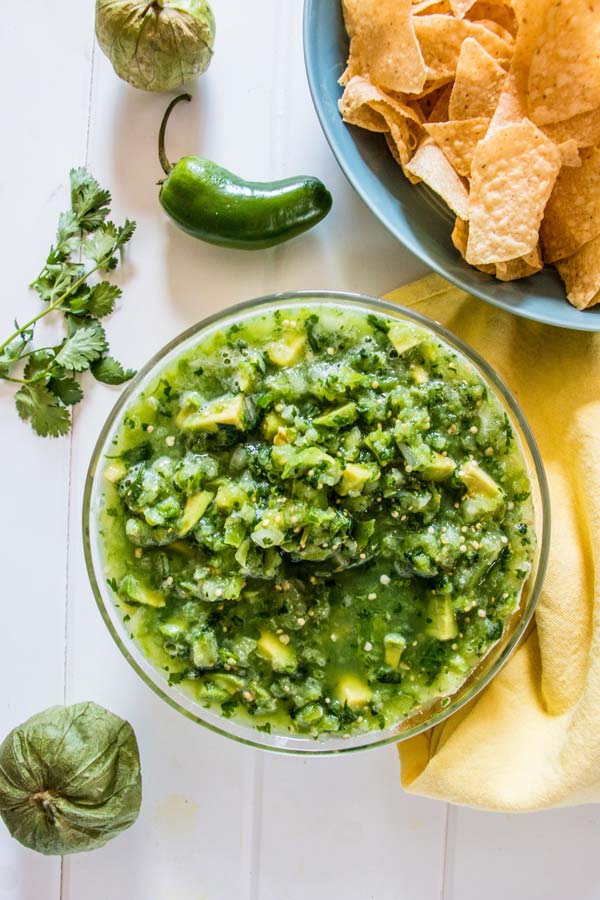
(531, 740)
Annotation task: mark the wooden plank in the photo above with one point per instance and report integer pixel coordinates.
(44, 69)
(549, 855)
(343, 827)
(193, 839)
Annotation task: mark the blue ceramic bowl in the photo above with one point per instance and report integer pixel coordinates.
(413, 213)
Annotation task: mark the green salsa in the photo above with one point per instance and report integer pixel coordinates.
(317, 520)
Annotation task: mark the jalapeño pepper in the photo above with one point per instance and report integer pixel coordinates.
(215, 205)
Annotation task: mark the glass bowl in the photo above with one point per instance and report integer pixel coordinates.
(298, 744)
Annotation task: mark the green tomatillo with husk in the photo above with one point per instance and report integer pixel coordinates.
(156, 45)
(70, 779)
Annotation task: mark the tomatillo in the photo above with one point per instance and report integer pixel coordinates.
(214, 205)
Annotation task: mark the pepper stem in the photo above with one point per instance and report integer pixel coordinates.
(164, 161)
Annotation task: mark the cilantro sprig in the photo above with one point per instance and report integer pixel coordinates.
(86, 244)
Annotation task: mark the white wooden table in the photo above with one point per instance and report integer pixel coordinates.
(219, 822)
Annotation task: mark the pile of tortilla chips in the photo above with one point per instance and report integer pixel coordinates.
(495, 105)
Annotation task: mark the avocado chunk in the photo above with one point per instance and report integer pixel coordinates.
(233, 684)
(133, 591)
(430, 464)
(194, 509)
(419, 374)
(382, 446)
(404, 336)
(229, 496)
(115, 471)
(288, 351)
(205, 650)
(394, 645)
(443, 625)
(232, 411)
(281, 656)
(354, 477)
(484, 495)
(337, 418)
(270, 425)
(439, 468)
(477, 481)
(353, 691)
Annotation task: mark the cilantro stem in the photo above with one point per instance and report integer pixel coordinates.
(49, 383)
(52, 306)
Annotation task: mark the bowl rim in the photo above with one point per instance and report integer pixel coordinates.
(417, 248)
(244, 733)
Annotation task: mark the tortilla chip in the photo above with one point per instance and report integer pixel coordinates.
(564, 80)
(431, 166)
(569, 152)
(506, 271)
(396, 149)
(514, 170)
(432, 87)
(441, 39)
(430, 6)
(572, 216)
(364, 105)
(512, 104)
(500, 13)
(479, 80)
(522, 267)
(460, 235)
(498, 30)
(594, 301)
(505, 93)
(458, 141)
(581, 275)
(440, 112)
(435, 103)
(383, 40)
(584, 129)
(461, 7)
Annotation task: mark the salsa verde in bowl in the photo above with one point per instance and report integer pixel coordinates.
(316, 522)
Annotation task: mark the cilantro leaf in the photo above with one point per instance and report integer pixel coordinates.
(97, 301)
(69, 287)
(110, 371)
(36, 404)
(67, 236)
(11, 355)
(102, 298)
(82, 347)
(125, 233)
(101, 246)
(67, 389)
(89, 201)
(56, 279)
(38, 362)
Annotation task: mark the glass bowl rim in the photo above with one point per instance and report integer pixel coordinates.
(367, 740)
